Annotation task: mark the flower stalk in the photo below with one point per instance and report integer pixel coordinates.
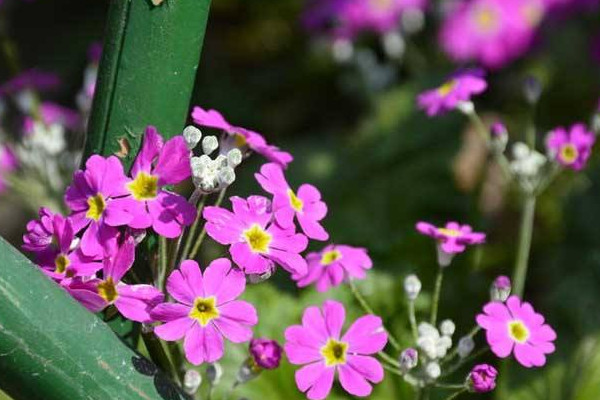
(524, 247)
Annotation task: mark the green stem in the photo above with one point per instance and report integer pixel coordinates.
(385, 356)
(525, 236)
(413, 320)
(193, 229)
(158, 355)
(436, 295)
(363, 303)
(484, 133)
(200, 238)
(456, 394)
(162, 263)
(465, 360)
(391, 369)
(449, 386)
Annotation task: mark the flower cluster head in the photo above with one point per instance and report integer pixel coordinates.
(266, 353)
(333, 265)
(457, 90)
(491, 32)
(515, 327)
(206, 310)
(240, 138)
(570, 148)
(433, 344)
(526, 165)
(8, 163)
(319, 345)
(452, 239)
(482, 378)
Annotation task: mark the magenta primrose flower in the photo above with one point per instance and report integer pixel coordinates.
(305, 205)
(157, 165)
(482, 378)
(133, 301)
(256, 240)
(453, 238)
(571, 148)
(8, 163)
(240, 137)
(266, 353)
(319, 344)
(515, 327)
(332, 265)
(458, 88)
(206, 310)
(52, 239)
(91, 198)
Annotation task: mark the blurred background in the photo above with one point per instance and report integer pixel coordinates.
(352, 124)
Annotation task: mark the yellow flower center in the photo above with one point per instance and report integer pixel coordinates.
(486, 19)
(295, 202)
(144, 186)
(569, 153)
(449, 232)
(96, 206)
(108, 290)
(204, 310)
(330, 257)
(239, 140)
(61, 262)
(257, 239)
(334, 352)
(446, 88)
(518, 331)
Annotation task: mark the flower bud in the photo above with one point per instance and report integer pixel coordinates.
(409, 358)
(226, 176)
(214, 372)
(433, 370)
(248, 371)
(191, 381)
(412, 286)
(258, 278)
(447, 327)
(192, 136)
(209, 144)
(266, 353)
(234, 157)
(444, 259)
(465, 346)
(532, 89)
(499, 136)
(466, 107)
(482, 378)
(500, 289)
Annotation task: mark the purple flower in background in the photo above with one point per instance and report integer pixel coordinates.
(31, 79)
(482, 378)
(332, 265)
(8, 164)
(240, 137)
(571, 148)
(266, 353)
(458, 88)
(52, 113)
(157, 165)
(452, 239)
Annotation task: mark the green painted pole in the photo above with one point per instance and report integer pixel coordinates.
(50, 346)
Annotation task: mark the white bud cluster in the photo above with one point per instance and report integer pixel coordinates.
(527, 164)
(433, 345)
(49, 139)
(211, 175)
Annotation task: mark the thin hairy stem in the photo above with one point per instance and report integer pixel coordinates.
(436, 295)
(525, 237)
(200, 238)
(456, 394)
(192, 232)
(413, 319)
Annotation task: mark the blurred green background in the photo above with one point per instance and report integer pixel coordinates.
(382, 165)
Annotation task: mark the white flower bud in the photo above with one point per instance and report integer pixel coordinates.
(214, 372)
(192, 136)
(191, 381)
(226, 176)
(465, 346)
(234, 157)
(409, 358)
(412, 286)
(466, 107)
(500, 289)
(209, 144)
(425, 329)
(444, 259)
(447, 327)
(441, 348)
(433, 370)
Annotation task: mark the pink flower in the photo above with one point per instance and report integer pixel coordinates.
(206, 310)
(571, 148)
(133, 301)
(241, 137)
(459, 88)
(8, 163)
(156, 166)
(52, 238)
(317, 343)
(305, 205)
(453, 238)
(482, 378)
(30, 79)
(256, 240)
(332, 265)
(91, 198)
(515, 327)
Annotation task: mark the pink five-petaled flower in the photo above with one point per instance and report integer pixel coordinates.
(241, 137)
(317, 342)
(453, 238)
(458, 88)
(256, 240)
(306, 204)
(133, 301)
(571, 148)
(333, 264)
(515, 327)
(159, 164)
(52, 239)
(206, 311)
(91, 199)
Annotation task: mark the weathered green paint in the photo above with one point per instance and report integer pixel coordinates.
(147, 72)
